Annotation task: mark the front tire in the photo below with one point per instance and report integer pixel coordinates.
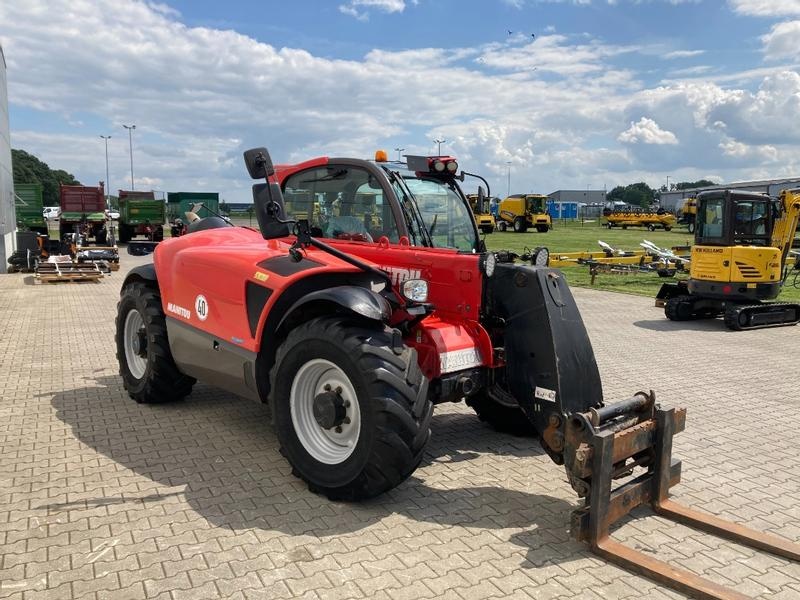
(502, 418)
(542, 228)
(520, 226)
(148, 370)
(350, 407)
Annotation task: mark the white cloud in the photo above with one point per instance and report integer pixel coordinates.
(782, 41)
(691, 71)
(646, 131)
(359, 8)
(683, 54)
(766, 8)
(199, 96)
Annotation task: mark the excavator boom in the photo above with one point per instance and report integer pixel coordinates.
(786, 223)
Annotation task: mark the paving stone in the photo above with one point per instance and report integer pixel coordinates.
(105, 498)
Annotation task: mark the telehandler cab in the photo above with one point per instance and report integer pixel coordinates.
(353, 321)
(738, 261)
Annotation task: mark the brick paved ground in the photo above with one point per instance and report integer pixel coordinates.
(102, 498)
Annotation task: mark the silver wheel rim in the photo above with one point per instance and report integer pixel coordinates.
(134, 323)
(328, 446)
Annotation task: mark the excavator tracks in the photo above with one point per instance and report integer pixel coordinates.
(740, 317)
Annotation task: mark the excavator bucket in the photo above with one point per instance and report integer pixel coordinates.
(670, 290)
(611, 442)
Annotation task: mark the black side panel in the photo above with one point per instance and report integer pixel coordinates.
(550, 367)
(256, 297)
(285, 266)
(146, 272)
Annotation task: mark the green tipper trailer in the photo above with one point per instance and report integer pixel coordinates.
(179, 203)
(29, 206)
(140, 213)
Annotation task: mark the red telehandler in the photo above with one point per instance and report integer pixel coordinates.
(365, 297)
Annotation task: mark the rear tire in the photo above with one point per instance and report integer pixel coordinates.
(501, 226)
(383, 435)
(502, 418)
(148, 370)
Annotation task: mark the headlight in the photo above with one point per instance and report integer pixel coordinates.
(438, 166)
(490, 262)
(452, 167)
(415, 290)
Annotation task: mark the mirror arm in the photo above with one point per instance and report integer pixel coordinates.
(488, 190)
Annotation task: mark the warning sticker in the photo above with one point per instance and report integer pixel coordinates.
(544, 394)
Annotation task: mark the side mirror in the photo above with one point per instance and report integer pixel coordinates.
(481, 195)
(259, 163)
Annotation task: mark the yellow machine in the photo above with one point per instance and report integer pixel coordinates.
(688, 214)
(482, 212)
(638, 217)
(521, 211)
(742, 242)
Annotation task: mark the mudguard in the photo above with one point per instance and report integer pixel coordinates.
(141, 273)
(358, 300)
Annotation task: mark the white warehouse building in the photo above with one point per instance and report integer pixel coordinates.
(673, 201)
(8, 219)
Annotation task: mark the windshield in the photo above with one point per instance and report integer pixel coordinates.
(445, 214)
(535, 204)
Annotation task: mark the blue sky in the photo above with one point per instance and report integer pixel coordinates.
(606, 93)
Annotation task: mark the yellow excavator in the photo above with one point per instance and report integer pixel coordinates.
(738, 261)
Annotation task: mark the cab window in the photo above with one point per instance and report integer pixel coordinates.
(750, 223)
(710, 219)
(340, 202)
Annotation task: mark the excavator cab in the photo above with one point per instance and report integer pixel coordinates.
(734, 219)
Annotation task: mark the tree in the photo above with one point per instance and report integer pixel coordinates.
(686, 185)
(616, 194)
(29, 169)
(637, 194)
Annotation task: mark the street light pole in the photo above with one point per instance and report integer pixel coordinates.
(440, 142)
(108, 185)
(667, 182)
(508, 164)
(130, 129)
(399, 150)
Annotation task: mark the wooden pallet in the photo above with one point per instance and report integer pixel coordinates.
(70, 272)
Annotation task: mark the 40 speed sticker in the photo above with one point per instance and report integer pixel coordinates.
(201, 307)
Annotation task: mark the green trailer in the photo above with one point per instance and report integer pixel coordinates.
(141, 213)
(179, 203)
(28, 205)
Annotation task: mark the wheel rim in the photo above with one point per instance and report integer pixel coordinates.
(135, 344)
(329, 446)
